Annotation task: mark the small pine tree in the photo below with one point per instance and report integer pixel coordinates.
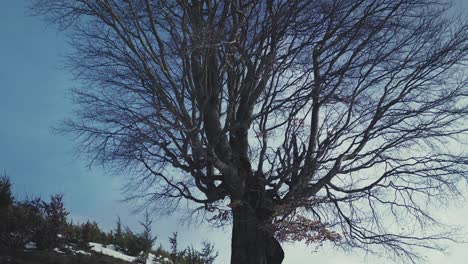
(6, 203)
(190, 256)
(86, 233)
(6, 198)
(133, 243)
(162, 253)
(208, 253)
(90, 232)
(174, 244)
(147, 237)
(71, 233)
(118, 235)
(54, 223)
(26, 221)
(56, 212)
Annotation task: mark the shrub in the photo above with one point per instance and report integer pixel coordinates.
(90, 232)
(22, 223)
(6, 198)
(6, 202)
(133, 243)
(54, 222)
(189, 255)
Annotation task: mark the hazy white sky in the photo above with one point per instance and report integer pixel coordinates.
(33, 97)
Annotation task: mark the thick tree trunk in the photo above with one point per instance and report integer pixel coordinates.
(251, 243)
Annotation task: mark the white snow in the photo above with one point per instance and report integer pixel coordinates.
(77, 251)
(58, 251)
(30, 245)
(151, 259)
(81, 252)
(111, 250)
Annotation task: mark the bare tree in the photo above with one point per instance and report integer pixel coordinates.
(304, 120)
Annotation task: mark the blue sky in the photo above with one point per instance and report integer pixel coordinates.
(34, 97)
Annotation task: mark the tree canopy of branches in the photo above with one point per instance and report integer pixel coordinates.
(304, 120)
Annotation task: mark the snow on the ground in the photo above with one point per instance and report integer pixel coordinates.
(81, 252)
(111, 250)
(77, 251)
(151, 259)
(58, 251)
(165, 259)
(30, 245)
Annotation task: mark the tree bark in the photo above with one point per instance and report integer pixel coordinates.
(251, 242)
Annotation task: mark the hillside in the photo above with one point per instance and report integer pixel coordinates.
(37, 231)
(96, 254)
(52, 257)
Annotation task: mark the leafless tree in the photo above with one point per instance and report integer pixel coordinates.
(306, 120)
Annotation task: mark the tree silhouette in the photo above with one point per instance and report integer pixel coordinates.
(334, 117)
(147, 235)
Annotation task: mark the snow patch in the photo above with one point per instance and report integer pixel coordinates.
(151, 259)
(81, 252)
(58, 251)
(77, 251)
(30, 245)
(110, 250)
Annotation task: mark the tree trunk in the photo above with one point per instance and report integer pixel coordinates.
(251, 243)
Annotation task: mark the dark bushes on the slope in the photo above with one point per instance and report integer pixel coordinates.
(30, 220)
(46, 224)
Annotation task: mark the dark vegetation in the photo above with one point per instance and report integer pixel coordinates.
(45, 223)
(10, 256)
